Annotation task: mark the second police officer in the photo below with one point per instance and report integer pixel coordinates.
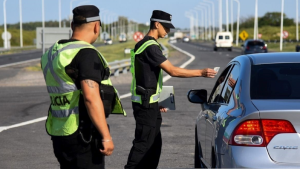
(147, 63)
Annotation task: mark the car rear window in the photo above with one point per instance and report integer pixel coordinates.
(275, 81)
(227, 37)
(220, 37)
(256, 43)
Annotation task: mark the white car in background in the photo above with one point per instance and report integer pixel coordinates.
(223, 40)
(108, 41)
(185, 39)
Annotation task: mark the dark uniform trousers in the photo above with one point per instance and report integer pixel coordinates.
(146, 149)
(73, 153)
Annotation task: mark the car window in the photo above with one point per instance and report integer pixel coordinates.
(275, 81)
(227, 37)
(215, 94)
(256, 43)
(230, 84)
(220, 37)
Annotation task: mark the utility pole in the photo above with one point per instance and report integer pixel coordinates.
(21, 28)
(281, 27)
(227, 27)
(220, 16)
(297, 21)
(238, 23)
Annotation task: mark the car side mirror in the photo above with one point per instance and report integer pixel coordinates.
(197, 96)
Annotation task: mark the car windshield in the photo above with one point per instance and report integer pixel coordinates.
(256, 43)
(275, 81)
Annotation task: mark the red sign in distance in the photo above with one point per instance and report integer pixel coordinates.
(285, 34)
(137, 36)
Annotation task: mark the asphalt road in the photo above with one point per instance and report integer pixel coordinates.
(30, 147)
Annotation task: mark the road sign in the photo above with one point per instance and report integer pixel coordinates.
(285, 34)
(104, 35)
(137, 36)
(259, 35)
(244, 35)
(6, 35)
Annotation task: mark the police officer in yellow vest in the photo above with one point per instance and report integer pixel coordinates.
(81, 93)
(147, 63)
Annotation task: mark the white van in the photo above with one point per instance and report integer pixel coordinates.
(223, 40)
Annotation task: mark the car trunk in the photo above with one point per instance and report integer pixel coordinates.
(284, 147)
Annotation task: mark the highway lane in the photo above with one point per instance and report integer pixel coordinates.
(30, 147)
(24, 56)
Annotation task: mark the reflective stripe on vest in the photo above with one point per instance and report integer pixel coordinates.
(63, 117)
(135, 97)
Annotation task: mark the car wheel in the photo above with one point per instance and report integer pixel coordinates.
(229, 49)
(215, 49)
(197, 161)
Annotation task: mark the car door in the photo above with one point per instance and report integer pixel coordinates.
(218, 119)
(212, 108)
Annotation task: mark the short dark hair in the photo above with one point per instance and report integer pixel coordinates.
(152, 24)
(80, 18)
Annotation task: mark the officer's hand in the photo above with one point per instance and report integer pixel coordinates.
(163, 109)
(207, 72)
(108, 147)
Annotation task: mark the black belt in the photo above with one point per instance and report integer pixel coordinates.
(145, 96)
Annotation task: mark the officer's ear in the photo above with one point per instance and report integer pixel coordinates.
(96, 27)
(156, 24)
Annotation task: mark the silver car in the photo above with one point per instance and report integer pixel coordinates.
(252, 117)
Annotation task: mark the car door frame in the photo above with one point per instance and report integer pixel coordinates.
(216, 118)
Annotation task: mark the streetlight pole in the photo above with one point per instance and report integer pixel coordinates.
(5, 26)
(205, 16)
(255, 21)
(213, 15)
(231, 10)
(238, 23)
(209, 17)
(202, 22)
(297, 21)
(196, 23)
(220, 16)
(189, 15)
(21, 30)
(43, 21)
(227, 27)
(281, 27)
(59, 13)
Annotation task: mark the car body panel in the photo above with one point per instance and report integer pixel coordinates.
(220, 124)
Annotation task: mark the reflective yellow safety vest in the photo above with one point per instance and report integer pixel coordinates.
(135, 97)
(63, 115)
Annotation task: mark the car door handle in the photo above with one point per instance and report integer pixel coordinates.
(214, 118)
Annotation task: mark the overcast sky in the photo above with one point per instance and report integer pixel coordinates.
(138, 10)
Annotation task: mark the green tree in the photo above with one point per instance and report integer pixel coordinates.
(274, 19)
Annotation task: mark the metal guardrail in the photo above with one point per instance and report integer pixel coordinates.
(123, 66)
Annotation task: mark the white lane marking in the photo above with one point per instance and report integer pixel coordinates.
(166, 78)
(17, 63)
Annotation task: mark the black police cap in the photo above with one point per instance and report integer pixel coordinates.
(162, 17)
(89, 12)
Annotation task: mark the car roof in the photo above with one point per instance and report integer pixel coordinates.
(259, 40)
(273, 58)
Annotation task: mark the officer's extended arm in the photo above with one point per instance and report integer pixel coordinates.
(95, 108)
(174, 71)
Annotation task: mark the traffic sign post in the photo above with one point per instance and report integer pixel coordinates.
(244, 35)
(6, 36)
(259, 35)
(137, 36)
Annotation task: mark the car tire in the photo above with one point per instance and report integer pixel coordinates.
(215, 49)
(229, 49)
(197, 161)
